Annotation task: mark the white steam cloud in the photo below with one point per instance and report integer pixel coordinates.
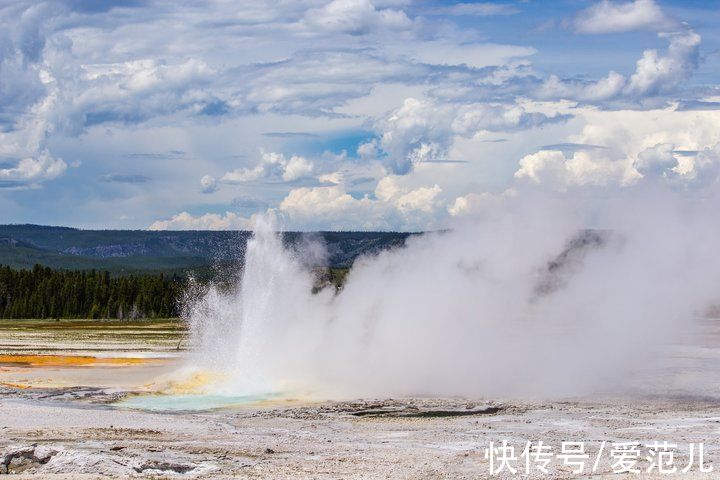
(523, 301)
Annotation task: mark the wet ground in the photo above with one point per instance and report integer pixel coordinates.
(77, 400)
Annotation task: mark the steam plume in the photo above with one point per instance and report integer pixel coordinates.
(521, 301)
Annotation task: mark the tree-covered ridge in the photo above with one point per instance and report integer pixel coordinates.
(46, 293)
(124, 252)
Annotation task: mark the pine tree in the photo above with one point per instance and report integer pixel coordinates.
(46, 293)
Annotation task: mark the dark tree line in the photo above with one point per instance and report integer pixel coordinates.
(46, 293)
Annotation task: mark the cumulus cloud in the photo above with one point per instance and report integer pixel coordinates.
(423, 199)
(676, 148)
(272, 167)
(394, 206)
(656, 161)
(81, 78)
(477, 118)
(655, 74)
(424, 130)
(31, 162)
(355, 17)
(659, 163)
(474, 204)
(32, 170)
(614, 17)
(88, 91)
(417, 131)
(208, 184)
(297, 167)
(176, 78)
(27, 96)
(208, 221)
(704, 167)
(134, 91)
(600, 90)
(22, 40)
(684, 168)
(615, 150)
(321, 202)
(552, 169)
(334, 177)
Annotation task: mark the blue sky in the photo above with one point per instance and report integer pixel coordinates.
(346, 114)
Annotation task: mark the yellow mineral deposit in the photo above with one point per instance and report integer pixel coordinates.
(70, 361)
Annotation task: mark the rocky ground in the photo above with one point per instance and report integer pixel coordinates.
(61, 420)
(70, 432)
(78, 433)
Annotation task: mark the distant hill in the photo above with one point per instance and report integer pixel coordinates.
(142, 251)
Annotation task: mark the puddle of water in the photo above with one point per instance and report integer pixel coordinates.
(197, 403)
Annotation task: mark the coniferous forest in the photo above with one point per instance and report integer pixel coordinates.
(46, 293)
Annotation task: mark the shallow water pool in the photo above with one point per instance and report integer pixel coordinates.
(189, 402)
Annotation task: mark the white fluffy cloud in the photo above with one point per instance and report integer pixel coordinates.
(423, 199)
(394, 206)
(659, 163)
(297, 167)
(614, 17)
(614, 149)
(550, 168)
(656, 161)
(321, 202)
(659, 145)
(272, 167)
(208, 184)
(394, 83)
(687, 168)
(474, 204)
(355, 17)
(32, 170)
(655, 73)
(27, 97)
(22, 40)
(424, 130)
(132, 92)
(603, 89)
(208, 221)
(29, 161)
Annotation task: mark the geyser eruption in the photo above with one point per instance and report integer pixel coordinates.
(524, 301)
(249, 332)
